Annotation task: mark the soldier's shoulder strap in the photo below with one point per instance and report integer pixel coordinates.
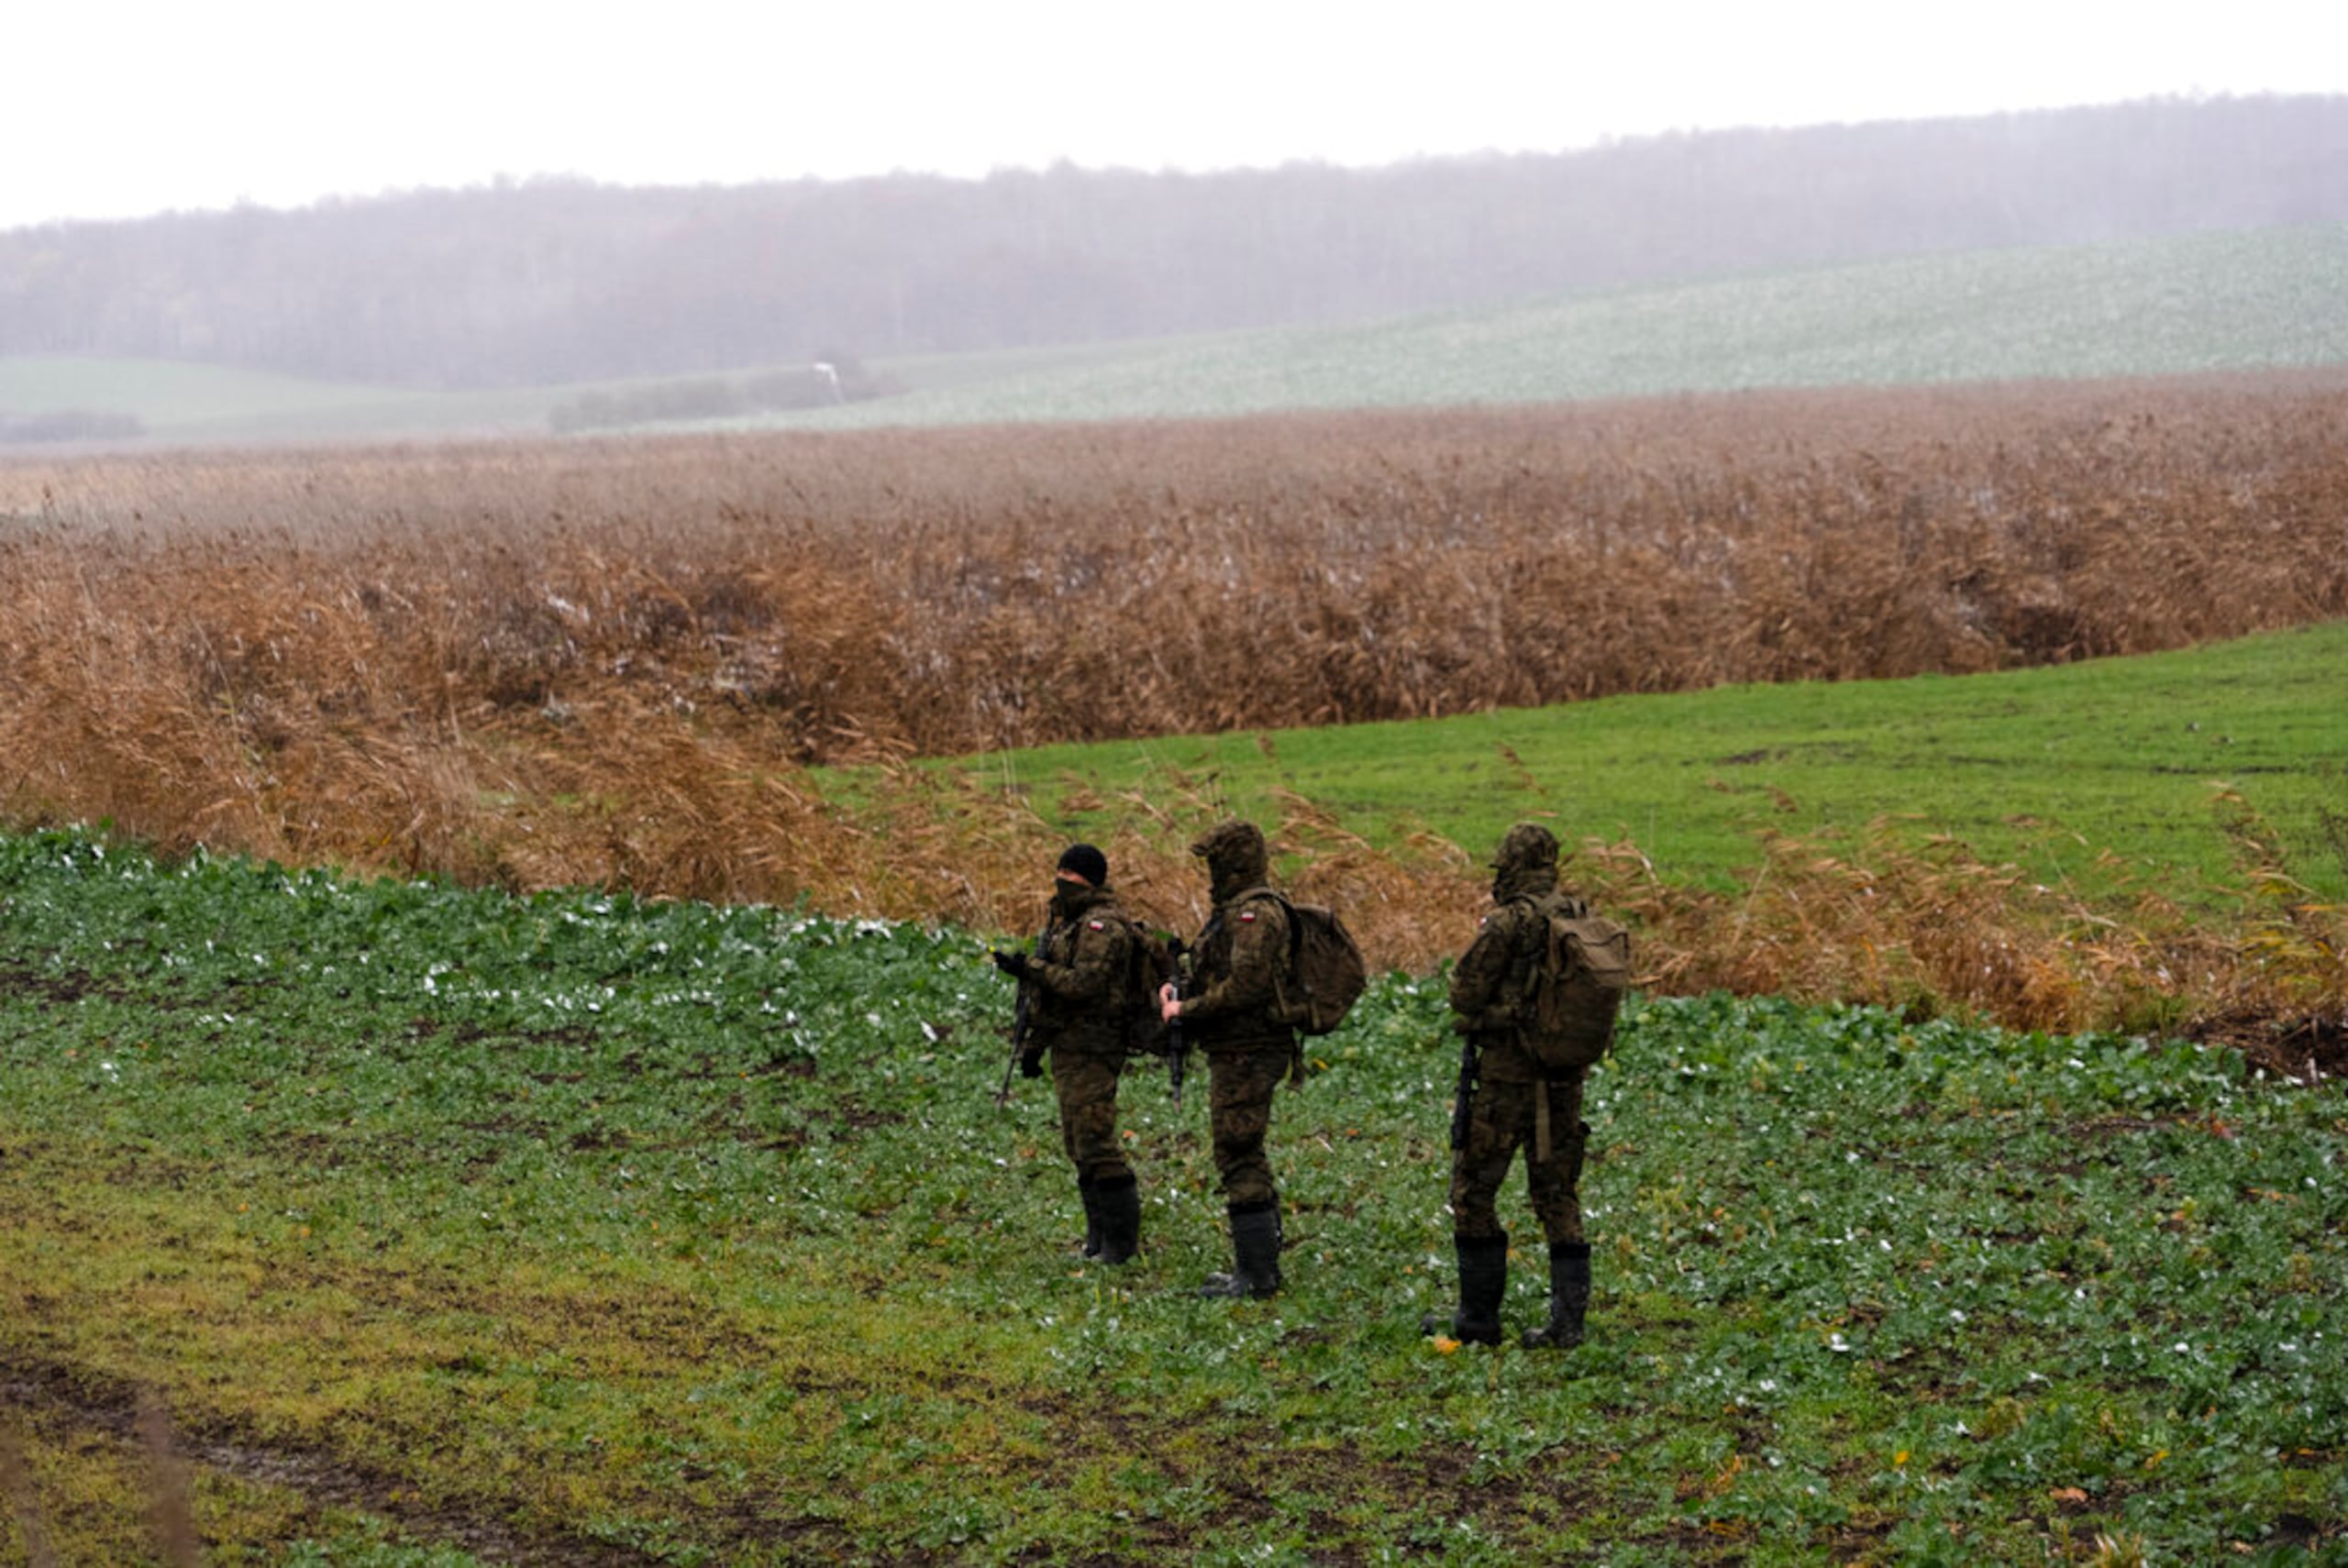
(1259, 895)
(1544, 907)
(1526, 911)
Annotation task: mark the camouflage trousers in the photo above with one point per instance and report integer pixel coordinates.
(1239, 1113)
(1087, 1087)
(1503, 1119)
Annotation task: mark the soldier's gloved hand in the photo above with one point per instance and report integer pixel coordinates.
(1031, 1065)
(1012, 963)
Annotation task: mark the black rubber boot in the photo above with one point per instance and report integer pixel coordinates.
(1117, 1201)
(1255, 1253)
(1091, 1197)
(1483, 1280)
(1569, 1298)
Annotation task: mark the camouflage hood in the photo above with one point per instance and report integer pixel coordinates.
(1526, 863)
(1236, 859)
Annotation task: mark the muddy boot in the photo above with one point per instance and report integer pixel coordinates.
(1483, 1279)
(1256, 1250)
(1569, 1298)
(1092, 1215)
(1118, 1203)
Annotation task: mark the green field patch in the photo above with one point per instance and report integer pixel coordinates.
(186, 402)
(2099, 775)
(2251, 300)
(166, 393)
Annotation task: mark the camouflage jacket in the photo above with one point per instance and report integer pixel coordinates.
(1234, 969)
(1079, 974)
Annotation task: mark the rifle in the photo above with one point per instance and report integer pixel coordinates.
(1020, 1009)
(1461, 1118)
(1177, 1053)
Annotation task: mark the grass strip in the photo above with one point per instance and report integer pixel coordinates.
(2103, 775)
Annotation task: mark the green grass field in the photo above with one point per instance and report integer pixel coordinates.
(2046, 767)
(184, 403)
(2214, 302)
(165, 394)
(2217, 302)
(454, 1228)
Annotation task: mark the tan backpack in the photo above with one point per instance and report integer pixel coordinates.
(1579, 979)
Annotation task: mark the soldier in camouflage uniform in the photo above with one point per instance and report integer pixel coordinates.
(1077, 1016)
(1511, 1107)
(1228, 1014)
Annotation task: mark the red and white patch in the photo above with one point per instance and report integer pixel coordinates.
(1096, 925)
(1248, 917)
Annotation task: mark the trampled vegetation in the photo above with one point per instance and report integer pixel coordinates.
(448, 1227)
(611, 663)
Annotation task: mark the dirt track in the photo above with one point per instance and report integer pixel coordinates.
(51, 1401)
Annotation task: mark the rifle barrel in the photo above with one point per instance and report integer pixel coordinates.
(1019, 1020)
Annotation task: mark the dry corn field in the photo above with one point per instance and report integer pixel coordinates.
(611, 662)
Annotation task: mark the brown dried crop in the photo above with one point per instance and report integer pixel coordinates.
(611, 662)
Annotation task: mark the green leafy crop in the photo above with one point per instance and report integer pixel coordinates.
(580, 1224)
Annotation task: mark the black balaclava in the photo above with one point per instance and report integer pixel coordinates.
(1086, 862)
(1083, 860)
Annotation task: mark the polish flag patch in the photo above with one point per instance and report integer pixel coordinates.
(1096, 925)
(1246, 917)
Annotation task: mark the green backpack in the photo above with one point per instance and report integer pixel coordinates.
(1566, 1019)
(1324, 975)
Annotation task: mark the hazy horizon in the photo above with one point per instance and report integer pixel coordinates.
(144, 108)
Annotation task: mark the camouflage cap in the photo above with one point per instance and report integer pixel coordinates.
(1526, 846)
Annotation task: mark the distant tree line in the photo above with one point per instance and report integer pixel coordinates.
(550, 280)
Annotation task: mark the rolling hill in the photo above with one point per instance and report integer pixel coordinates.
(2269, 298)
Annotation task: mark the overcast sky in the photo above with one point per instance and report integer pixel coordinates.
(120, 109)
